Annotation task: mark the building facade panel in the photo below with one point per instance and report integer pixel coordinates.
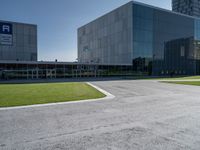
(188, 7)
(21, 44)
(107, 40)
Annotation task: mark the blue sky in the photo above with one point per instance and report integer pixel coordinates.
(58, 21)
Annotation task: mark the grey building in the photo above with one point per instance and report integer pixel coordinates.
(108, 37)
(154, 41)
(18, 41)
(188, 7)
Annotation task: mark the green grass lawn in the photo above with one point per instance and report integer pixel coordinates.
(196, 83)
(190, 77)
(161, 78)
(181, 78)
(29, 94)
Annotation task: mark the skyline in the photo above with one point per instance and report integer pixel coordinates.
(58, 22)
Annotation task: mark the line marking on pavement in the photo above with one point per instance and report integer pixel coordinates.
(108, 96)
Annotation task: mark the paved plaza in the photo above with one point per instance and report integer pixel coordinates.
(144, 115)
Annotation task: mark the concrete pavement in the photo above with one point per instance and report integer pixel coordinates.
(144, 115)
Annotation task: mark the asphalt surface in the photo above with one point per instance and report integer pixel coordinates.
(144, 115)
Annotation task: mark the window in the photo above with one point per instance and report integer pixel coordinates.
(182, 51)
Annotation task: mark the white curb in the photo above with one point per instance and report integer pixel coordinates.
(108, 96)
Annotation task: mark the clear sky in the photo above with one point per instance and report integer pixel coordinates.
(58, 21)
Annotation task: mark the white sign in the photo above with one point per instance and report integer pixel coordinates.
(6, 28)
(5, 39)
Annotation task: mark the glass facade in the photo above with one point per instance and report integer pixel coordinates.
(197, 45)
(173, 33)
(52, 70)
(142, 39)
(165, 43)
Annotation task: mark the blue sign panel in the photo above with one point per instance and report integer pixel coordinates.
(5, 28)
(6, 32)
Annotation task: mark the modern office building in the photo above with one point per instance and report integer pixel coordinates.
(134, 39)
(18, 41)
(154, 41)
(188, 7)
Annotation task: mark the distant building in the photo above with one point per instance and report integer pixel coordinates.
(188, 7)
(18, 41)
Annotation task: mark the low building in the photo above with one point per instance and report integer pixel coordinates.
(52, 70)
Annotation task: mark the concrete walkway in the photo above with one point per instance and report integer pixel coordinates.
(144, 115)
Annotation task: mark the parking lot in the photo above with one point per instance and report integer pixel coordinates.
(144, 115)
